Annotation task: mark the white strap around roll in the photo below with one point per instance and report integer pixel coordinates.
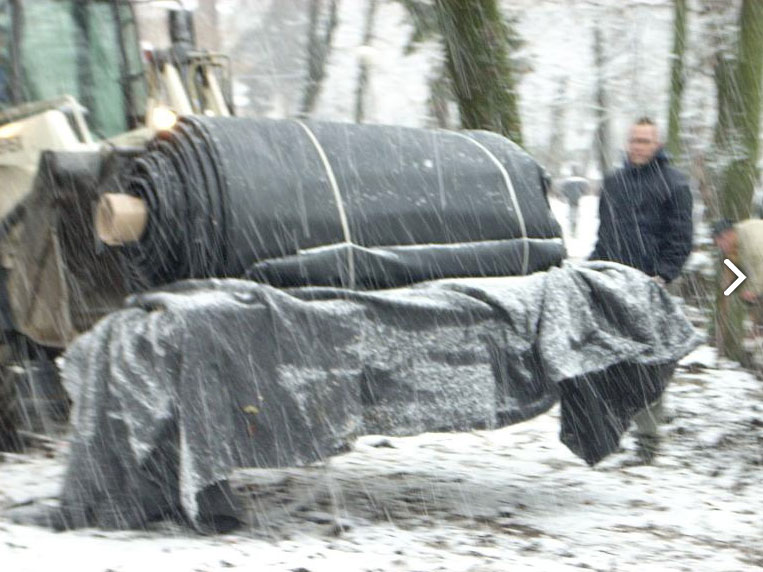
(338, 198)
(513, 195)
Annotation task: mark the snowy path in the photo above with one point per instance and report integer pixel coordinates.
(483, 501)
(581, 245)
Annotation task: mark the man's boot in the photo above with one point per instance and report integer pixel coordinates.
(647, 431)
(647, 447)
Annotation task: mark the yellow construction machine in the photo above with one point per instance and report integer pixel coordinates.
(76, 84)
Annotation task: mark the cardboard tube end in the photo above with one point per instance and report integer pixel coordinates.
(120, 219)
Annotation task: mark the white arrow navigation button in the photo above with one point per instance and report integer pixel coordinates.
(740, 277)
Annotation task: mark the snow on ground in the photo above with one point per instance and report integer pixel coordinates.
(511, 499)
(487, 501)
(580, 245)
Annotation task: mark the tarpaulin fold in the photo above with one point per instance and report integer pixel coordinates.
(216, 374)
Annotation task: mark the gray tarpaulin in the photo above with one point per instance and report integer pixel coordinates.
(185, 384)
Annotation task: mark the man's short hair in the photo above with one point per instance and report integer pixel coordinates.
(644, 120)
(721, 226)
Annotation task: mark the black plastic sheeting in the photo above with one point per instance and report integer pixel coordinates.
(292, 203)
(187, 383)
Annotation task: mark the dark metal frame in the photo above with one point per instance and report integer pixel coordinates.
(127, 79)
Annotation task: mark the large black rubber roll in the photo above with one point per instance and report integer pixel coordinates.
(295, 203)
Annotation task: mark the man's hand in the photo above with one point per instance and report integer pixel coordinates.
(660, 280)
(749, 296)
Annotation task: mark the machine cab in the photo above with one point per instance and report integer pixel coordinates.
(87, 49)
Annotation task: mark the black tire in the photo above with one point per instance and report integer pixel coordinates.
(42, 402)
(9, 413)
(31, 395)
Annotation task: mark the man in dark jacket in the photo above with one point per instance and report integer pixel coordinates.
(645, 210)
(645, 221)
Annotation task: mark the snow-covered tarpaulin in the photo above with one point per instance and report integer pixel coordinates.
(187, 383)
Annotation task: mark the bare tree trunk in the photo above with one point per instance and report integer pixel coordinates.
(556, 143)
(441, 95)
(363, 79)
(737, 139)
(477, 53)
(602, 141)
(318, 49)
(206, 23)
(744, 97)
(723, 74)
(677, 80)
(699, 172)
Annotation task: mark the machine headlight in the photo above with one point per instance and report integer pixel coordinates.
(10, 130)
(163, 118)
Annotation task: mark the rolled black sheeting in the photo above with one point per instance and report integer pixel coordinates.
(266, 199)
